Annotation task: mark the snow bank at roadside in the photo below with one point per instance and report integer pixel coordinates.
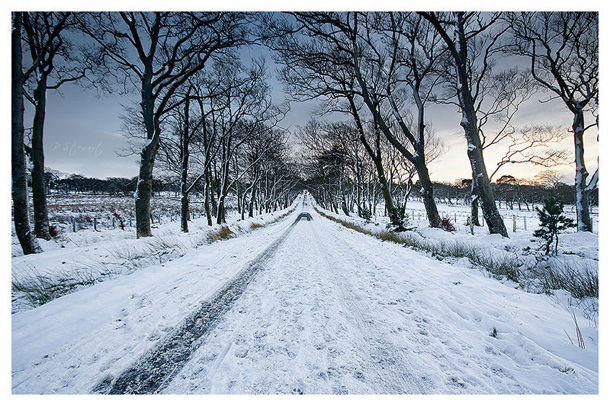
(578, 257)
(96, 256)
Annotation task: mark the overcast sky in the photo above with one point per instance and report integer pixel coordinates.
(83, 133)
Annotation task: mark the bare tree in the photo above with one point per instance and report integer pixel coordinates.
(52, 63)
(194, 133)
(157, 52)
(409, 53)
(534, 146)
(329, 148)
(379, 53)
(499, 98)
(549, 178)
(563, 48)
(403, 172)
(19, 189)
(323, 58)
(268, 166)
(245, 111)
(461, 31)
(175, 149)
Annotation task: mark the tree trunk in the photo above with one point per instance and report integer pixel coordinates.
(427, 194)
(207, 191)
(184, 163)
(392, 211)
(184, 213)
(147, 160)
(583, 218)
(220, 213)
(242, 208)
(252, 199)
(19, 186)
(474, 204)
(474, 211)
(39, 190)
(480, 177)
(213, 204)
(144, 189)
(483, 186)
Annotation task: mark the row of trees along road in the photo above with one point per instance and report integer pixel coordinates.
(386, 69)
(212, 118)
(192, 88)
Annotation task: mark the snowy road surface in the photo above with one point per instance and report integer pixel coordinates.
(330, 311)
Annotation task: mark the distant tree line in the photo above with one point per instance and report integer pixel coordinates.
(510, 193)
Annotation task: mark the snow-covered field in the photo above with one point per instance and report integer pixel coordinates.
(526, 221)
(331, 311)
(75, 216)
(582, 245)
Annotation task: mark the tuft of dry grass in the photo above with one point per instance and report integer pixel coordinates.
(391, 236)
(254, 226)
(221, 234)
(39, 289)
(580, 279)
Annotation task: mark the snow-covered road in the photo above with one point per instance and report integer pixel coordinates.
(331, 311)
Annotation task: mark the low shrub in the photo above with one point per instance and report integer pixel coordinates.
(552, 223)
(54, 231)
(447, 225)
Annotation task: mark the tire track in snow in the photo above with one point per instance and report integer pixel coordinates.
(157, 367)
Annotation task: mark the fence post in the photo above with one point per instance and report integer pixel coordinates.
(454, 218)
(129, 221)
(514, 223)
(73, 225)
(112, 221)
(95, 223)
(525, 223)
